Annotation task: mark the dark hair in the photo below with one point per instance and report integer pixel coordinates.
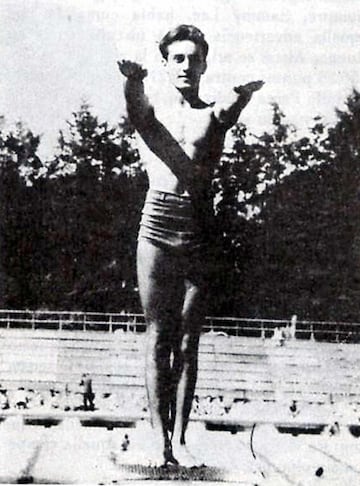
(183, 32)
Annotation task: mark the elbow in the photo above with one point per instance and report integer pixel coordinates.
(227, 119)
(133, 117)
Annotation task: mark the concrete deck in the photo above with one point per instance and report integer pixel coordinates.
(71, 453)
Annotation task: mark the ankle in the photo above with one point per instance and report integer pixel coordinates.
(169, 456)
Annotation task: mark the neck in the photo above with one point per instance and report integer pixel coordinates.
(190, 96)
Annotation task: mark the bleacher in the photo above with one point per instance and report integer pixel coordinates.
(250, 373)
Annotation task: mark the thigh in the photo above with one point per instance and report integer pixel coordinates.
(160, 284)
(196, 294)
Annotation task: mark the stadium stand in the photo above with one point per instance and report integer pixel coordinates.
(293, 382)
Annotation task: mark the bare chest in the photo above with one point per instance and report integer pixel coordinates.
(189, 127)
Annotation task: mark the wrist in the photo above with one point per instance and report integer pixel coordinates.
(241, 90)
(243, 94)
(136, 77)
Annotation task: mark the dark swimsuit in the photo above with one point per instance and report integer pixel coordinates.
(168, 221)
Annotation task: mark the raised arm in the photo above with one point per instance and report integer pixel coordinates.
(155, 135)
(138, 106)
(227, 113)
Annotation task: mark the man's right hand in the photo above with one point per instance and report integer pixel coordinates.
(132, 70)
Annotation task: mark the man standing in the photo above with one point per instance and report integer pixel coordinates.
(183, 140)
(88, 394)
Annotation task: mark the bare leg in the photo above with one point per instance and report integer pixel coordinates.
(161, 294)
(185, 370)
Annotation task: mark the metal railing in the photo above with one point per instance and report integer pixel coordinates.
(250, 327)
(72, 321)
(331, 331)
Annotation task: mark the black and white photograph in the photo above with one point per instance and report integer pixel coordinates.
(180, 242)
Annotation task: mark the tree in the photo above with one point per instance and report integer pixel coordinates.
(19, 219)
(257, 183)
(93, 208)
(344, 183)
(287, 207)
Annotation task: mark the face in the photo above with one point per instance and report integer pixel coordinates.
(185, 64)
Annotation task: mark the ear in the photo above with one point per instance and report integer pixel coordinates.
(164, 61)
(204, 67)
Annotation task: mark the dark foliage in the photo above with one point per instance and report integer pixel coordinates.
(286, 207)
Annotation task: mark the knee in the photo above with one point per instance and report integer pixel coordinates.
(194, 310)
(158, 340)
(193, 321)
(189, 345)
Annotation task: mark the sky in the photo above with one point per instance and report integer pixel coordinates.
(54, 54)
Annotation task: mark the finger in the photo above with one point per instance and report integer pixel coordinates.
(259, 84)
(122, 64)
(254, 85)
(121, 67)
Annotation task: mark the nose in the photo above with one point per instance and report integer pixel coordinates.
(186, 64)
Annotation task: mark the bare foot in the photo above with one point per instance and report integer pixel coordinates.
(169, 456)
(162, 458)
(156, 456)
(185, 458)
